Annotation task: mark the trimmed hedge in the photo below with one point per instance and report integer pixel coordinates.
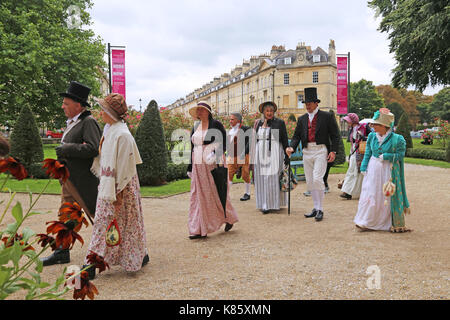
(25, 142)
(152, 147)
(36, 171)
(176, 171)
(434, 154)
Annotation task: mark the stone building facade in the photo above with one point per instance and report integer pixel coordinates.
(280, 76)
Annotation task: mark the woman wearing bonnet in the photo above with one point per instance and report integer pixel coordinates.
(269, 157)
(353, 178)
(382, 208)
(119, 199)
(208, 144)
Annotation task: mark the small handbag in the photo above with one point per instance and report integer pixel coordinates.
(113, 237)
(362, 147)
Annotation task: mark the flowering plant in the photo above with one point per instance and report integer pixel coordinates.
(17, 254)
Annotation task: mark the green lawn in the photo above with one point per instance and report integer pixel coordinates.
(436, 145)
(181, 186)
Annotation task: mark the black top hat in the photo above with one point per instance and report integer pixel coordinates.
(310, 95)
(77, 92)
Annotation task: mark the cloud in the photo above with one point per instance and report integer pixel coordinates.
(174, 47)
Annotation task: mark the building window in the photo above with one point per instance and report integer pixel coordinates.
(300, 101)
(287, 60)
(286, 78)
(316, 58)
(315, 76)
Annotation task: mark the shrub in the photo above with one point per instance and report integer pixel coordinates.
(26, 144)
(172, 122)
(447, 153)
(340, 155)
(176, 171)
(36, 171)
(292, 118)
(434, 154)
(152, 147)
(404, 129)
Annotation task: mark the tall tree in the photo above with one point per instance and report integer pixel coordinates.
(364, 99)
(424, 113)
(440, 107)
(397, 109)
(419, 34)
(42, 50)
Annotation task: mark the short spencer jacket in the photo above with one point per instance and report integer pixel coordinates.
(210, 138)
(326, 130)
(80, 147)
(279, 125)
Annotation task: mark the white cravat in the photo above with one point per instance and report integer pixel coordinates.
(312, 114)
(382, 137)
(233, 131)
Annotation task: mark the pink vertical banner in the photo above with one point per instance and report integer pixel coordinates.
(118, 71)
(342, 85)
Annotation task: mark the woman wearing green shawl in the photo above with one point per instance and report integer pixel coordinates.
(383, 160)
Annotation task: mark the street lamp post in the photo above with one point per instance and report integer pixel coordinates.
(140, 106)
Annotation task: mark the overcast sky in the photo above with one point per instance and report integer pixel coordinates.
(174, 47)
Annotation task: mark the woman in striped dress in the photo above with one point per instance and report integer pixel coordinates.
(269, 157)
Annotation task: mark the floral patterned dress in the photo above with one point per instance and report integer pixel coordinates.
(131, 251)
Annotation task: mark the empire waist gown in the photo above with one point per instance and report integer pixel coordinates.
(206, 214)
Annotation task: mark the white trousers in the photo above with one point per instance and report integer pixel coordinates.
(315, 165)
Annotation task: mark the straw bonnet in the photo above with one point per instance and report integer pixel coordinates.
(384, 117)
(270, 103)
(200, 104)
(114, 105)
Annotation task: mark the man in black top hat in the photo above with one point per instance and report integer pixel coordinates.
(319, 134)
(79, 147)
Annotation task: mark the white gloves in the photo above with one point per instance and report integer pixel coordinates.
(189, 174)
(363, 173)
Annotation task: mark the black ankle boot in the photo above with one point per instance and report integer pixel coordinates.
(57, 257)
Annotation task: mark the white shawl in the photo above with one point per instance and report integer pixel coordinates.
(116, 163)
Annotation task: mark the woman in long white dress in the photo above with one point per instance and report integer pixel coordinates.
(269, 158)
(353, 178)
(383, 160)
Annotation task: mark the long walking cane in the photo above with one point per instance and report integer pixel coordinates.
(289, 188)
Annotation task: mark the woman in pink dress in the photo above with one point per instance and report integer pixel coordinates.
(119, 195)
(208, 141)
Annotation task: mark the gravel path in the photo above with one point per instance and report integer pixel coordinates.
(277, 256)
